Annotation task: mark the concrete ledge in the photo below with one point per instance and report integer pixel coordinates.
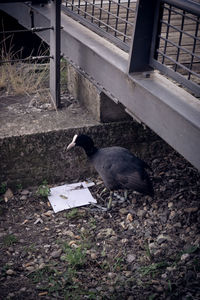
(29, 159)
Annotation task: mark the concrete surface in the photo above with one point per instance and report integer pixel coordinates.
(33, 141)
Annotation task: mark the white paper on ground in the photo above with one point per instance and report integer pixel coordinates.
(71, 195)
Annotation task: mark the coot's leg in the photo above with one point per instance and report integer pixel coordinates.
(110, 200)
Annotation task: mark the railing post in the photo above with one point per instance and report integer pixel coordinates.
(55, 51)
(142, 36)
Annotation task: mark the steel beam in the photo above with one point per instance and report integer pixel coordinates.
(167, 109)
(142, 36)
(55, 52)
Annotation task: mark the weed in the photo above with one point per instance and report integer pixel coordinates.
(92, 223)
(191, 249)
(19, 186)
(3, 188)
(76, 257)
(63, 74)
(4, 269)
(72, 214)
(148, 253)
(30, 249)
(153, 269)
(9, 240)
(152, 297)
(43, 190)
(118, 263)
(170, 286)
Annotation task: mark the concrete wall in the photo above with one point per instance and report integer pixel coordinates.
(97, 102)
(30, 159)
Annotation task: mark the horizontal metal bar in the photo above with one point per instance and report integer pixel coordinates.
(34, 29)
(179, 47)
(195, 88)
(111, 14)
(178, 64)
(30, 58)
(181, 13)
(181, 31)
(186, 5)
(97, 29)
(98, 5)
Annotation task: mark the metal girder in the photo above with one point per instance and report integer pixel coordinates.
(167, 109)
(55, 52)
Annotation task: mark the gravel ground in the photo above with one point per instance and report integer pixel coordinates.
(142, 249)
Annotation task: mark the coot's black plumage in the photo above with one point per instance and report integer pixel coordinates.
(117, 166)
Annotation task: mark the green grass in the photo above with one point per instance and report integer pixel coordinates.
(72, 214)
(75, 257)
(9, 240)
(30, 248)
(153, 269)
(43, 190)
(3, 188)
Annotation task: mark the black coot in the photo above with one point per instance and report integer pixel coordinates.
(117, 166)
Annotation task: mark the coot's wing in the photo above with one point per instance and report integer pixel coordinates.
(135, 180)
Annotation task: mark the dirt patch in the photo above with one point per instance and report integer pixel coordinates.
(142, 249)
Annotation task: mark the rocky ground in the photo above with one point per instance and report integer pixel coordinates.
(142, 249)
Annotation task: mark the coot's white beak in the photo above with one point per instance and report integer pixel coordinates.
(73, 143)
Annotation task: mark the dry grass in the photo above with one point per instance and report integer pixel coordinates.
(18, 78)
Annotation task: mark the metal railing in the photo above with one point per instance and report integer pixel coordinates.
(113, 19)
(174, 38)
(54, 82)
(176, 46)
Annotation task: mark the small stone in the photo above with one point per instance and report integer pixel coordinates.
(153, 247)
(172, 214)
(25, 192)
(141, 213)
(73, 244)
(170, 204)
(164, 276)
(159, 288)
(39, 220)
(48, 213)
(68, 232)
(23, 289)
(41, 266)
(191, 209)
(124, 241)
(111, 275)
(11, 295)
(185, 257)
(123, 211)
(105, 232)
(8, 195)
(124, 226)
(130, 258)
(170, 269)
(129, 217)
(10, 272)
(23, 198)
(30, 268)
(93, 255)
(162, 238)
(56, 253)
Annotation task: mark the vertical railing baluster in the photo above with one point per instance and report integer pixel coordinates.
(55, 52)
